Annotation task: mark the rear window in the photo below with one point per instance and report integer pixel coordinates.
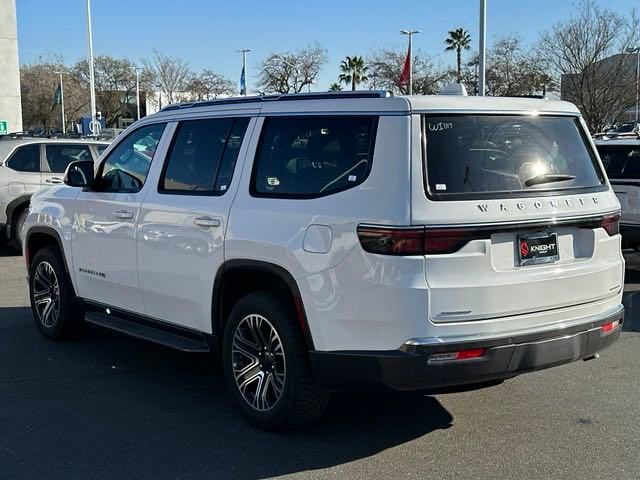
(308, 157)
(480, 156)
(621, 161)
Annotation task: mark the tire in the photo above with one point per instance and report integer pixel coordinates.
(16, 228)
(280, 371)
(49, 284)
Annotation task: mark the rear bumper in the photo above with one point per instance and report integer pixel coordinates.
(409, 368)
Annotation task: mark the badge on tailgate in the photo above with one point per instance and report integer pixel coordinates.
(538, 248)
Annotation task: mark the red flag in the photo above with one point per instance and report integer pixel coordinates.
(404, 76)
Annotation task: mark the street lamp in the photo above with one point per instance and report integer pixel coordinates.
(64, 128)
(411, 33)
(94, 126)
(637, 52)
(137, 69)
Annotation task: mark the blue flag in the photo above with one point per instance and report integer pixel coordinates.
(243, 83)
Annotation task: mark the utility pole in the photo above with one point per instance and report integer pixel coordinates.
(137, 69)
(483, 54)
(411, 33)
(94, 126)
(64, 128)
(243, 78)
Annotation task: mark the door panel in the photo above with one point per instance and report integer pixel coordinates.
(183, 221)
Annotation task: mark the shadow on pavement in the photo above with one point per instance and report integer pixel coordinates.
(106, 406)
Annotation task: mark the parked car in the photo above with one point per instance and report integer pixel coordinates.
(621, 160)
(340, 240)
(26, 165)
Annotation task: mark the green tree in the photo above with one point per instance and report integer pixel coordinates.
(335, 87)
(354, 71)
(458, 40)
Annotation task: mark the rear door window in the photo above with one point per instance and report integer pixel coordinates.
(480, 156)
(25, 159)
(59, 156)
(308, 157)
(622, 162)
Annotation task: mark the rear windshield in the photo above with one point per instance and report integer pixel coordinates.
(621, 161)
(476, 156)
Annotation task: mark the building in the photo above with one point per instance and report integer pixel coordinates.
(10, 106)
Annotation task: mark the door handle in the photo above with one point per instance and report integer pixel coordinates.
(123, 214)
(207, 222)
(55, 180)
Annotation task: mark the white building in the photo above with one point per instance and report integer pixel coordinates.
(10, 107)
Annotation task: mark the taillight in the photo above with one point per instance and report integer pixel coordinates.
(417, 241)
(455, 356)
(392, 241)
(611, 223)
(610, 327)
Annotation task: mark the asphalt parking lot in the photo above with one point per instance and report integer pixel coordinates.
(106, 406)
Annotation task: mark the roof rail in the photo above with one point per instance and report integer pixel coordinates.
(282, 97)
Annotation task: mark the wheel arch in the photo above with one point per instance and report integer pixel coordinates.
(39, 237)
(238, 277)
(14, 207)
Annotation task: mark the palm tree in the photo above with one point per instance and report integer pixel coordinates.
(354, 71)
(335, 87)
(458, 40)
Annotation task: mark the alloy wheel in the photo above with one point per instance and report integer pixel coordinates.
(259, 363)
(46, 294)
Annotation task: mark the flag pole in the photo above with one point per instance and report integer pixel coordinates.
(411, 33)
(64, 128)
(244, 70)
(483, 41)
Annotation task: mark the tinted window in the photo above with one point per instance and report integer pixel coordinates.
(203, 151)
(26, 159)
(313, 156)
(101, 148)
(59, 156)
(127, 166)
(487, 154)
(621, 161)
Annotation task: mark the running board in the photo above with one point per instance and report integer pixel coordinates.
(193, 342)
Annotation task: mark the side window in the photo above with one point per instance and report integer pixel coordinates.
(203, 156)
(309, 157)
(60, 155)
(126, 168)
(25, 159)
(101, 148)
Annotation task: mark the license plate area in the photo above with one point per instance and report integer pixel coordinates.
(537, 248)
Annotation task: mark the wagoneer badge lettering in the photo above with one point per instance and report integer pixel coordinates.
(538, 204)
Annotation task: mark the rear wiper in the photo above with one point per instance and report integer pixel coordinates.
(547, 178)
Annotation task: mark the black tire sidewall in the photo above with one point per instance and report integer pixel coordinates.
(273, 310)
(67, 320)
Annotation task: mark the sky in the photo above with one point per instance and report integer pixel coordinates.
(208, 33)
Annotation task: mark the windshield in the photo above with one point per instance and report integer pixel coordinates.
(475, 156)
(621, 161)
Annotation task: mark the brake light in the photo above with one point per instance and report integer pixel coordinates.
(417, 241)
(611, 223)
(455, 356)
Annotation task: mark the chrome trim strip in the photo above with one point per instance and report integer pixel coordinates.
(455, 339)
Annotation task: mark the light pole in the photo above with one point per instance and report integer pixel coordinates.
(483, 40)
(243, 78)
(95, 130)
(159, 87)
(64, 128)
(137, 69)
(411, 33)
(637, 52)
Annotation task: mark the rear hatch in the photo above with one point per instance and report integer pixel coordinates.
(518, 216)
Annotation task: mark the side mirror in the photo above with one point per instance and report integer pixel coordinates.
(80, 174)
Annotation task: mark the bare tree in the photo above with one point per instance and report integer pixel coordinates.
(386, 67)
(291, 72)
(170, 73)
(512, 71)
(209, 85)
(585, 51)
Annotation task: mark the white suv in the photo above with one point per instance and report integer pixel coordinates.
(340, 240)
(28, 164)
